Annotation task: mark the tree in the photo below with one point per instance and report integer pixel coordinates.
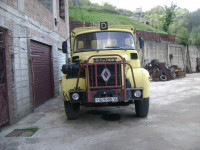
(169, 16)
(197, 40)
(192, 20)
(178, 21)
(195, 36)
(184, 36)
(108, 6)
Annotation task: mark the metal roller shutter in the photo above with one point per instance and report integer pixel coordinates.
(61, 61)
(42, 75)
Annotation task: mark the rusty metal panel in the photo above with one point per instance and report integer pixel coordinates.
(42, 75)
(4, 117)
(150, 36)
(166, 71)
(75, 24)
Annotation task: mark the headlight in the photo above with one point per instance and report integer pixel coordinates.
(137, 93)
(75, 96)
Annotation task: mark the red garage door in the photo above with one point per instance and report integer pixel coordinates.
(42, 75)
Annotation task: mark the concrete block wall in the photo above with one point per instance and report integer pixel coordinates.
(10, 75)
(155, 50)
(27, 20)
(162, 50)
(194, 53)
(23, 104)
(178, 52)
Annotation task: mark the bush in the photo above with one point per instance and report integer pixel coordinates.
(184, 36)
(197, 40)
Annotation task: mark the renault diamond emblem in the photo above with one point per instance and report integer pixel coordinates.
(106, 74)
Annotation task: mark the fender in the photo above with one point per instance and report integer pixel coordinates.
(141, 78)
(70, 84)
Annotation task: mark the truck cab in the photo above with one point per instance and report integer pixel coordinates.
(104, 69)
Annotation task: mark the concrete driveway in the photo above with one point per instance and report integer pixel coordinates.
(173, 123)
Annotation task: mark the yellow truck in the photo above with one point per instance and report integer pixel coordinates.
(104, 69)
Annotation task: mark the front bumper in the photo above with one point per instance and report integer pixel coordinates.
(106, 95)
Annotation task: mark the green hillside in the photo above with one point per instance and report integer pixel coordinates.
(93, 15)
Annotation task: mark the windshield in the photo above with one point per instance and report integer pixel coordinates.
(103, 41)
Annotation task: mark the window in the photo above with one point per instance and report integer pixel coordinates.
(62, 9)
(104, 41)
(47, 4)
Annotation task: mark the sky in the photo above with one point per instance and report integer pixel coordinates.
(132, 5)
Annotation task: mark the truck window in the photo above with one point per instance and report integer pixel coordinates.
(104, 41)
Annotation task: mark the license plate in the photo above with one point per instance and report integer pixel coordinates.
(106, 99)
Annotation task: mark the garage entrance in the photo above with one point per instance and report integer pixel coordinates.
(4, 118)
(42, 74)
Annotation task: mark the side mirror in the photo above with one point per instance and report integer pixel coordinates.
(65, 47)
(141, 41)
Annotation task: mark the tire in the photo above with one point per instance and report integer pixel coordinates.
(155, 62)
(163, 78)
(142, 107)
(128, 83)
(76, 107)
(71, 110)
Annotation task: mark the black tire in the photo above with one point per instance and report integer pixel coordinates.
(128, 83)
(163, 78)
(155, 62)
(76, 107)
(142, 107)
(71, 110)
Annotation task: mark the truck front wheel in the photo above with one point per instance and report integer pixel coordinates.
(142, 107)
(71, 110)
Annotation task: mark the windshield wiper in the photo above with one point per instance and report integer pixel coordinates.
(114, 47)
(85, 50)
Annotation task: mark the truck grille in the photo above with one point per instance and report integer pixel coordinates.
(112, 74)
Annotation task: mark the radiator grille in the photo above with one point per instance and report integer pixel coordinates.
(114, 80)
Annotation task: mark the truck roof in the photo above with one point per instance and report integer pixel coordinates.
(81, 30)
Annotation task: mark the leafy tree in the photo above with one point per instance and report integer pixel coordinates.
(184, 36)
(154, 16)
(178, 21)
(125, 12)
(169, 16)
(192, 20)
(197, 40)
(195, 36)
(86, 3)
(108, 6)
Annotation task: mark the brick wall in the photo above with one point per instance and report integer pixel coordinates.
(35, 10)
(62, 23)
(12, 3)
